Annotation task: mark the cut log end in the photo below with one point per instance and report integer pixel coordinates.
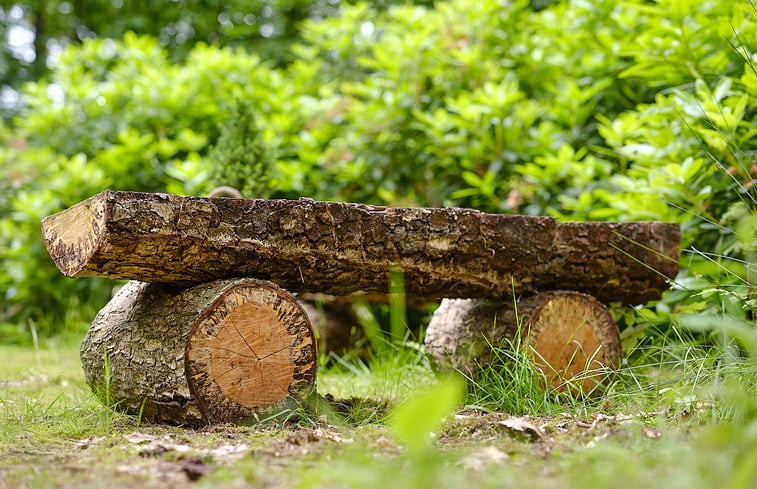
(72, 237)
(252, 349)
(571, 337)
(216, 352)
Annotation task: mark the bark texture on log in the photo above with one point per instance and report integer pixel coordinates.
(572, 338)
(339, 248)
(216, 352)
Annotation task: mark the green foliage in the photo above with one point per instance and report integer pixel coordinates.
(580, 110)
(33, 32)
(419, 417)
(241, 157)
(511, 382)
(114, 115)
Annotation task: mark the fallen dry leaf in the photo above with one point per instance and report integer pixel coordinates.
(330, 435)
(522, 425)
(159, 446)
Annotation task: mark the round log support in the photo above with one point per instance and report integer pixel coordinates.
(217, 352)
(571, 337)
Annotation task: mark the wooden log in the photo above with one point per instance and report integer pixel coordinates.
(571, 337)
(216, 352)
(339, 248)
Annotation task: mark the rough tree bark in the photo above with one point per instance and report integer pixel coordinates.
(571, 337)
(338, 248)
(219, 351)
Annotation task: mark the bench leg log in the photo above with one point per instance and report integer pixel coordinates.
(571, 337)
(217, 352)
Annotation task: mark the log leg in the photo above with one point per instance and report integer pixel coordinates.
(571, 337)
(216, 352)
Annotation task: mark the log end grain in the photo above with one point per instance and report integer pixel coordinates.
(215, 352)
(570, 337)
(573, 338)
(252, 349)
(73, 236)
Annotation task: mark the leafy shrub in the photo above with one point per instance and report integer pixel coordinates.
(241, 158)
(581, 110)
(114, 115)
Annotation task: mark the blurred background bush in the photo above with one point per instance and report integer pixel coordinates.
(580, 110)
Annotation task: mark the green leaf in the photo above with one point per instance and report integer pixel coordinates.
(416, 419)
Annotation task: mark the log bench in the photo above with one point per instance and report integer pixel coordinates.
(207, 330)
